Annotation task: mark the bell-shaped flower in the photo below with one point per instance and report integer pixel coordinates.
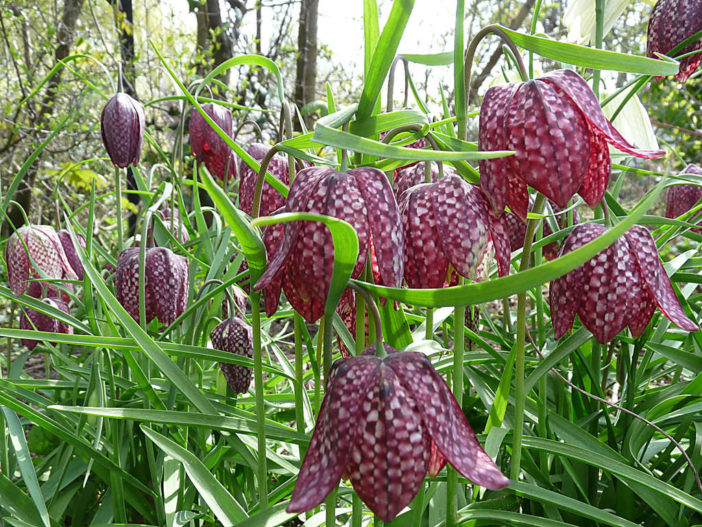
(43, 249)
(235, 336)
(681, 198)
(34, 320)
(672, 22)
(71, 253)
(414, 175)
(448, 223)
(166, 283)
(301, 254)
(206, 144)
(271, 199)
(559, 134)
(619, 287)
(122, 125)
(376, 425)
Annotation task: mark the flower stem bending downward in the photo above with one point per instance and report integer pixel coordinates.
(260, 407)
(520, 359)
(120, 233)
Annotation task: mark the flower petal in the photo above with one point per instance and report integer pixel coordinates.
(641, 312)
(501, 241)
(599, 169)
(391, 454)
(462, 224)
(335, 432)
(414, 175)
(271, 199)
(425, 265)
(309, 306)
(671, 22)
(235, 336)
(166, 283)
(653, 275)
(384, 222)
(581, 95)
(127, 283)
(496, 176)
(681, 198)
(444, 419)
(551, 140)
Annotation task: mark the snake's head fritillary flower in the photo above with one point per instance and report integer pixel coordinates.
(558, 132)
(235, 336)
(206, 144)
(34, 320)
(122, 125)
(302, 257)
(166, 284)
(45, 250)
(672, 22)
(69, 249)
(271, 199)
(620, 287)
(414, 175)
(681, 198)
(516, 228)
(377, 423)
(448, 223)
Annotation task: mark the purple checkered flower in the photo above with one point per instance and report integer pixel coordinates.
(620, 287)
(34, 320)
(235, 336)
(301, 254)
(206, 144)
(271, 199)
(122, 125)
(681, 198)
(377, 423)
(672, 22)
(166, 284)
(560, 136)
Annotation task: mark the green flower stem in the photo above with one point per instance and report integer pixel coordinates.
(260, 409)
(534, 20)
(459, 317)
(391, 82)
(120, 233)
(330, 502)
(373, 308)
(520, 360)
(429, 322)
(599, 33)
(259, 181)
(418, 506)
(299, 382)
(356, 511)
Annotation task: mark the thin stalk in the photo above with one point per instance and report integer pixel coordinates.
(330, 502)
(120, 232)
(418, 506)
(429, 321)
(299, 385)
(373, 308)
(596, 366)
(259, 181)
(534, 20)
(391, 82)
(599, 33)
(260, 408)
(357, 511)
(520, 360)
(459, 316)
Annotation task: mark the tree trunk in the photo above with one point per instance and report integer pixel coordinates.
(64, 40)
(306, 78)
(212, 38)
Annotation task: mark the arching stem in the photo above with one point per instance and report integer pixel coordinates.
(259, 181)
(373, 308)
(391, 81)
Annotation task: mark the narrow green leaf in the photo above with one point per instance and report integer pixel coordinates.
(17, 503)
(371, 33)
(248, 60)
(431, 59)
(227, 510)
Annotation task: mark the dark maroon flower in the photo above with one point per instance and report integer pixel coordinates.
(301, 254)
(235, 336)
(516, 228)
(376, 424)
(122, 126)
(412, 176)
(166, 284)
(448, 223)
(619, 287)
(672, 22)
(271, 199)
(681, 198)
(44, 247)
(206, 144)
(560, 136)
(71, 253)
(34, 320)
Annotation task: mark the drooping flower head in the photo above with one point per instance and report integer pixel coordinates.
(301, 254)
(34, 320)
(560, 136)
(448, 223)
(122, 125)
(45, 249)
(377, 423)
(672, 22)
(71, 253)
(271, 199)
(206, 144)
(619, 287)
(166, 284)
(414, 175)
(235, 336)
(681, 198)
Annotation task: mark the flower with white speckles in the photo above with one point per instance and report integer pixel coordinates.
(559, 134)
(301, 254)
(122, 125)
(681, 198)
(672, 22)
(271, 199)
(34, 320)
(235, 336)
(619, 287)
(448, 223)
(44, 257)
(166, 284)
(376, 424)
